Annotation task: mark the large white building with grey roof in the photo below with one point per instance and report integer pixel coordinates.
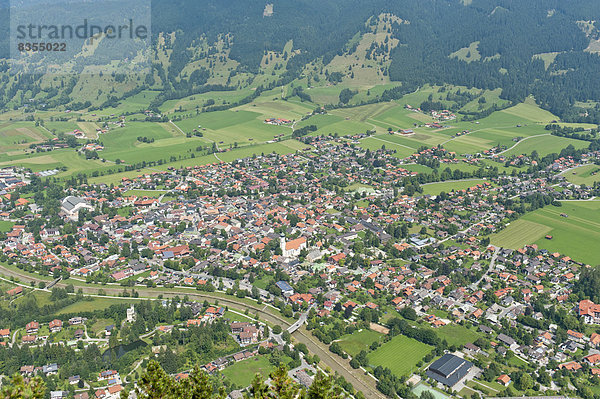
(72, 205)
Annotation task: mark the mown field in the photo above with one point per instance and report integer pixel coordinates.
(588, 175)
(545, 145)
(354, 343)
(230, 127)
(400, 355)
(448, 186)
(576, 235)
(19, 135)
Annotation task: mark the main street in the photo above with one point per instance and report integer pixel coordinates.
(359, 381)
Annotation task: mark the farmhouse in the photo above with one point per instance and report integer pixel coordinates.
(449, 370)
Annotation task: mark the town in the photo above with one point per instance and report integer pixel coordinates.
(340, 247)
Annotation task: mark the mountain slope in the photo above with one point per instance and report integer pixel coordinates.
(543, 48)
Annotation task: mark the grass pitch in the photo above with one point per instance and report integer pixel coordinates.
(400, 355)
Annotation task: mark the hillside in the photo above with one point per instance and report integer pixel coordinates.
(490, 45)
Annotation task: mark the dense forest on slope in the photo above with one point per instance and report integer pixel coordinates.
(544, 48)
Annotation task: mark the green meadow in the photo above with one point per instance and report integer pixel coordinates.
(588, 175)
(576, 235)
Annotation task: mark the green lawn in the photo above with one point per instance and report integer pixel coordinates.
(242, 373)
(233, 316)
(6, 226)
(400, 355)
(576, 235)
(456, 334)
(354, 343)
(448, 186)
(97, 303)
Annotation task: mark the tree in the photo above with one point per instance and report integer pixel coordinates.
(426, 395)
(525, 382)
(408, 313)
(17, 388)
(156, 384)
(282, 385)
(323, 387)
(258, 389)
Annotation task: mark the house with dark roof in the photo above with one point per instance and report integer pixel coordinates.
(449, 369)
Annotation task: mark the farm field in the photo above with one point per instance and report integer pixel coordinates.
(229, 127)
(68, 158)
(199, 100)
(400, 355)
(588, 175)
(377, 142)
(57, 127)
(19, 135)
(519, 233)
(575, 236)
(269, 105)
(545, 145)
(482, 139)
(352, 344)
(448, 186)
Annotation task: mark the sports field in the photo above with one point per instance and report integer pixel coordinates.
(400, 355)
(576, 235)
(354, 343)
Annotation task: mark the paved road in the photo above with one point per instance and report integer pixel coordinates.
(490, 268)
(360, 382)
